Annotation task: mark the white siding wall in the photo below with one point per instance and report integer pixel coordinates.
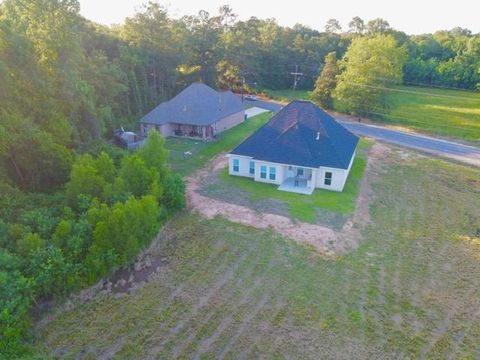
(244, 166)
(351, 160)
(279, 172)
(339, 177)
(244, 169)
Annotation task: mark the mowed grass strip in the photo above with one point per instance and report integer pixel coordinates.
(411, 290)
(288, 95)
(450, 113)
(202, 151)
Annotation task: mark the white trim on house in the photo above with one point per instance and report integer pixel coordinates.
(290, 177)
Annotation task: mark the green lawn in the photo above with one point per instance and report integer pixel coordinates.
(203, 151)
(411, 289)
(450, 113)
(289, 94)
(305, 207)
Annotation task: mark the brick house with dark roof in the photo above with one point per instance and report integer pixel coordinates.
(198, 112)
(301, 148)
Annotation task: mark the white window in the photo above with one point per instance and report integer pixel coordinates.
(263, 172)
(328, 178)
(272, 173)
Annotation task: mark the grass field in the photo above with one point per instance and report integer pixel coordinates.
(203, 151)
(450, 113)
(289, 94)
(307, 208)
(411, 290)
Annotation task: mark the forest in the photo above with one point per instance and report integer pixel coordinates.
(73, 207)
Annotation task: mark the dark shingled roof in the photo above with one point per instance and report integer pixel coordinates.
(290, 138)
(198, 104)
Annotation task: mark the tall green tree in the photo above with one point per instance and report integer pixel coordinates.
(154, 154)
(333, 26)
(371, 65)
(85, 179)
(356, 25)
(378, 26)
(326, 82)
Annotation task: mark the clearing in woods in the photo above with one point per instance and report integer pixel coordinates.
(411, 289)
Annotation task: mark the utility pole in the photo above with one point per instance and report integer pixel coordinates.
(243, 84)
(296, 77)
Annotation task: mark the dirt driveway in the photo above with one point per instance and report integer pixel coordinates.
(328, 242)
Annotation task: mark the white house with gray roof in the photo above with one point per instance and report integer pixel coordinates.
(301, 148)
(196, 112)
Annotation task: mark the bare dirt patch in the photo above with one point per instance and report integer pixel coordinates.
(325, 240)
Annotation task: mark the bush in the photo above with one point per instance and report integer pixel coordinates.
(16, 297)
(125, 228)
(53, 275)
(174, 197)
(137, 179)
(29, 243)
(84, 180)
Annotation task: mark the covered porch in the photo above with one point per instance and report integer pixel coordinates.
(298, 180)
(192, 131)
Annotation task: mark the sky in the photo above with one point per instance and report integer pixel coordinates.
(410, 16)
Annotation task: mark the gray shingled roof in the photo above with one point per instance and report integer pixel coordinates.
(290, 138)
(198, 104)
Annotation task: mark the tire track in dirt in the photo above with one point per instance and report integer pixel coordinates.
(229, 296)
(247, 351)
(456, 304)
(206, 343)
(444, 325)
(177, 292)
(346, 290)
(244, 325)
(203, 300)
(245, 299)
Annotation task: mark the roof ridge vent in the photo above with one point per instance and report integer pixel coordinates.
(318, 135)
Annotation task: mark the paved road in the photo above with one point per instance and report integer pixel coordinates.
(449, 149)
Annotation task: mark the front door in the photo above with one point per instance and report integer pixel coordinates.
(290, 172)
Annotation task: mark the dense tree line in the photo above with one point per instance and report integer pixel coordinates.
(50, 244)
(73, 207)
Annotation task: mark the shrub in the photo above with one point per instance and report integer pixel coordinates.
(174, 197)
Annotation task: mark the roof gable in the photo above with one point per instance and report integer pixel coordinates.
(198, 104)
(301, 134)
